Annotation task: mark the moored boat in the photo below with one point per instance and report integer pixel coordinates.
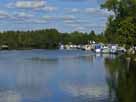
(121, 50)
(105, 50)
(113, 49)
(98, 48)
(61, 47)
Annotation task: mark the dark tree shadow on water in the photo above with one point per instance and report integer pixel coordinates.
(121, 79)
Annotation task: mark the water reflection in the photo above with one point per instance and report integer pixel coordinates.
(43, 60)
(58, 76)
(98, 92)
(9, 96)
(121, 79)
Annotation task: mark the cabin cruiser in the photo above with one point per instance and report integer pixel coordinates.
(105, 50)
(98, 48)
(87, 47)
(113, 49)
(121, 50)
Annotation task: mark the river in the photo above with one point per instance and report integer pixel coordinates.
(65, 76)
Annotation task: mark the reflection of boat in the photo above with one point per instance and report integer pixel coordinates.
(98, 55)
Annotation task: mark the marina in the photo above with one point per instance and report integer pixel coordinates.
(97, 48)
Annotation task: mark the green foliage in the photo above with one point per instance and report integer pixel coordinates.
(121, 27)
(34, 39)
(45, 39)
(127, 32)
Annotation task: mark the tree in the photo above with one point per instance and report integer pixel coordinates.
(121, 26)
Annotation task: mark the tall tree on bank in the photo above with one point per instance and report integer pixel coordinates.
(121, 27)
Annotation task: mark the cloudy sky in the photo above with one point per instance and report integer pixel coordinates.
(64, 15)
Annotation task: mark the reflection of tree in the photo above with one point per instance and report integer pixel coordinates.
(121, 79)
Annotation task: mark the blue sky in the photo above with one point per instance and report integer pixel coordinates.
(64, 15)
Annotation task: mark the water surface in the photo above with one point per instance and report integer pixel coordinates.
(55, 76)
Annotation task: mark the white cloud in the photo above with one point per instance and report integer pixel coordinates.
(23, 15)
(68, 17)
(98, 11)
(106, 13)
(73, 10)
(48, 18)
(27, 4)
(69, 21)
(49, 8)
(36, 21)
(4, 14)
(64, 18)
(30, 4)
(73, 25)
(79, 28)
(91, 10)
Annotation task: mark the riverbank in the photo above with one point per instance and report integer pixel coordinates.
(129, 57)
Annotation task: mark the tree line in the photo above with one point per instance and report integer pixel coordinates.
(46, 39)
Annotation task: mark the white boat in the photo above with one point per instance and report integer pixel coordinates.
(67, 47)
(105, 50)
(113, 49)
(87, 47)
(61, 47)
(121, 50)
(98, 48)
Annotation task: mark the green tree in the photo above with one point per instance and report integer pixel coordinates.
(121, 27)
